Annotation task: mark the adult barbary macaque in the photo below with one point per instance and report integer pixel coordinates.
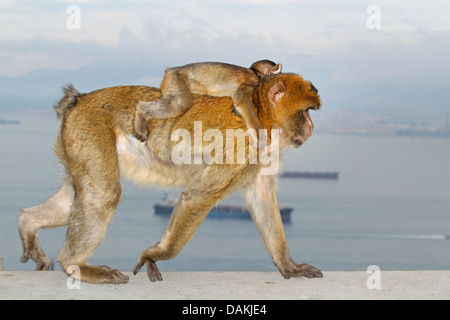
(210, 78)
(96, 145)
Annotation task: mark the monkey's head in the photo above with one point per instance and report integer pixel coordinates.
(266, 67)
(285, 101)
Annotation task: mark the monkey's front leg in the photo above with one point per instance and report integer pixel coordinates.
(186, 217)
(263, 204)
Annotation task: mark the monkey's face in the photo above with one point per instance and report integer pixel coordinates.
(291, 98)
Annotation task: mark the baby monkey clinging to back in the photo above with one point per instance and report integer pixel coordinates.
(208, 78)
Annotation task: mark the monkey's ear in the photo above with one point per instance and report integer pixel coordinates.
(276, 69)
(276, 93)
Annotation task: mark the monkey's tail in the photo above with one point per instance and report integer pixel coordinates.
(68, 101)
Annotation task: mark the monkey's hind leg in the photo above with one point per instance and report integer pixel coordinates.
(97, 195)
(51, 213)
(242, 100)
(176, 98)
(94, 205)
(93, 209)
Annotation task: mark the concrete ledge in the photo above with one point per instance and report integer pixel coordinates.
(230, 286)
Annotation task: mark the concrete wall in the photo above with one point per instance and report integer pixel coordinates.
(233, 286)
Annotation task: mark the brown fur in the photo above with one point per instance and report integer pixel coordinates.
(96, 146)
(208, 78)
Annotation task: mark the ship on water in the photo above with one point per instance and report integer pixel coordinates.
(311, 175)
(3, 121)
(166, 206)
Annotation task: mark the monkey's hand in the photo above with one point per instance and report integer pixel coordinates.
(152, 270)
(140, 130)
(140, 123)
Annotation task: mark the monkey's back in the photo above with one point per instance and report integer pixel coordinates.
(215, 78)
(101, 123)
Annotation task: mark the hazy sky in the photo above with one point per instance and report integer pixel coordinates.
(329, 42)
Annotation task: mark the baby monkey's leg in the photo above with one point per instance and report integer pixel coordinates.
(242, 100)
(176, 98)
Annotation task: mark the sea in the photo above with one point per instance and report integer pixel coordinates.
(390, 206)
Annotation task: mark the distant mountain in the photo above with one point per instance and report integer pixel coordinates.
(43, 87)
(15, 103)
(415, 99)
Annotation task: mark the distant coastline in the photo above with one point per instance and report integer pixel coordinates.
(419, 133)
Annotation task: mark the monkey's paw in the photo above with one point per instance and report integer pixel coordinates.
(32, 250)
(303, 270)
(152, 270)
(142, 135)
(140, 125)
(43, 263)
(97, 274)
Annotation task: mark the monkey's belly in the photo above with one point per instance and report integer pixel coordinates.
(143, 166)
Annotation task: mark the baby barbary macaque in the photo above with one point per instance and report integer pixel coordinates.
(208, 78)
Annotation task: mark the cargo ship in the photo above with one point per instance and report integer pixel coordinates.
(166, 206)
(311, 175)
(3, 121)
